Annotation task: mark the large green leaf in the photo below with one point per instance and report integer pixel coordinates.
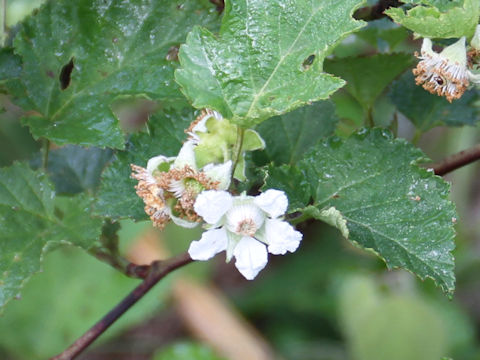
(426, 110)
(368, 76)
(288, 136)
(267, 59)
(31, 219)
(117, 197)
(390, 205)
(439, 19)
(74, 169)
(80, 56)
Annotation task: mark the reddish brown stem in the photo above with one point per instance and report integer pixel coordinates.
(158, 270)
(456, 161)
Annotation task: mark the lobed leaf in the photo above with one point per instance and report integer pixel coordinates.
(80, 56)
(31, 219)
(267, 59)
(440, 18)
(391, 206)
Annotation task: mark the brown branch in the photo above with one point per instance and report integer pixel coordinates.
(158, 270)
(456, 161)
(121, 264)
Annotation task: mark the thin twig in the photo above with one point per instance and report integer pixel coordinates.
(237, 150)
(121, 264)
(4, 23)
(456, 161)
(158, 270)
(45, 153)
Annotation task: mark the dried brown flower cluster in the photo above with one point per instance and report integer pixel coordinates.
(171, 193)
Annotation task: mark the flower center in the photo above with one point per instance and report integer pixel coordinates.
(246, 227)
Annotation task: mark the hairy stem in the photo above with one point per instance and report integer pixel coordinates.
(158, 270)
(457, 160)
(237, 150)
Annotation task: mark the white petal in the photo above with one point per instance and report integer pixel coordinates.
(186, 156)
(211, 243)
(281, 237)
(211, 205)
(273, 202)
(243, 214)
(221, 173)
(456, 53)
(154, 162)
(183, 223)
(474, 78)
(251, 257)
(427, 47)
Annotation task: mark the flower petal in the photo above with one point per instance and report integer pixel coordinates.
(211, 243)
(183, 223)
(186, 156)
(211, 205)
(273, 202)
(251, 257)
(221, 173)
(281, 237)
(156, 161)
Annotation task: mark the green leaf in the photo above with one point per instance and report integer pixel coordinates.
(267, 59)
(426, 110)
(117, 197)
(10, 64)
(439, 19)
(287, 137)
(71, 279)
(30, 222)
(392, 207)
(80, 56)
(74, 169)
(367, 77)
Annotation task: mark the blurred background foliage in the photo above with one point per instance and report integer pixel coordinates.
(328, 301)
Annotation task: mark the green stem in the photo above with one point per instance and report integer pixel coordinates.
(416, 137)
(237, 150)
(45, 152)
(370, 123)
(304, 217)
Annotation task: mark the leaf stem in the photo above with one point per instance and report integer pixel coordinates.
(158, 270)
(370, 122)
(121, 264)
(457, 160)
(237, 150)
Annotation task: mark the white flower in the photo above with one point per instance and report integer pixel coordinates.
(170, 185)
(444, 73)
(247, 227)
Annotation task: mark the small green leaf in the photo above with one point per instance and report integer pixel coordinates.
(331, 216)
(80, 56)
(267, 59)
(74, 169)
(117, 197)
(287, 137)
(439, 19)
(367, 77)
(392, 207)
(31, 219)
(426, 110)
